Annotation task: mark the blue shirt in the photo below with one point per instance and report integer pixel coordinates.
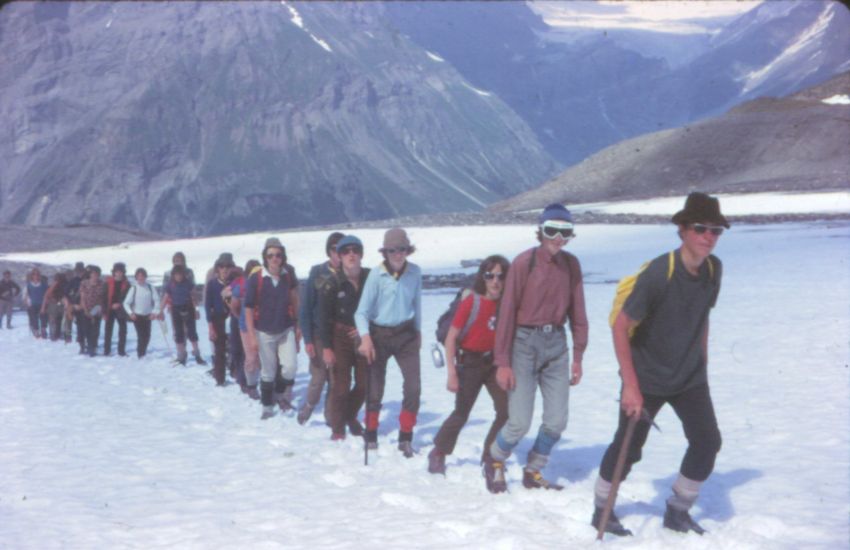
(181, 293)
(309, 315)
(237, 287)
(213, 303)
(36, 292)
(389, 302)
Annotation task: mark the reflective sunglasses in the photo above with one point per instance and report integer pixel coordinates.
(700, 228)
(399, 250)
(489, 276)
(555, 228)
(352, 249)
(271, 255)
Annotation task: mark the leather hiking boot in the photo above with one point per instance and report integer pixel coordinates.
(198, 359)
(268, 412)
(304, 414)
(494, 474)
(436, 462)
(534, 480)
(681, 521)
(613, 524)
(251, 392)
(355, 428)
(284, 403)
(337, 436)
(371, 439)
(406, 448)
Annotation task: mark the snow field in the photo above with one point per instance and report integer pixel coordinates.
(118, 452)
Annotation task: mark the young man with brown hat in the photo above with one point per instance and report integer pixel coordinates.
(543, 290)
(665, 360)
(389, 322)
(271, 303)
(309, 318)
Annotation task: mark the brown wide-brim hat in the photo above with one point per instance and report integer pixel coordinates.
(700, 208)
(396, 238)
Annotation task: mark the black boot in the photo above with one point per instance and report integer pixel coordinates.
(405, 444)
(681, 521)
(371, 439)
(355, 428)
(436, 462)
(613, 524)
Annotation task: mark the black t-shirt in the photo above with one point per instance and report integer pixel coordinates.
(667, 345)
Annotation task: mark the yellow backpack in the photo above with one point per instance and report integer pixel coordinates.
(627, 284)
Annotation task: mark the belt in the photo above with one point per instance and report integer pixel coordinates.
(479, 354)
(544, 328)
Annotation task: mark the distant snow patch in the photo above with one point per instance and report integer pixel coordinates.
(434, 56)
(477, 91)
(109, 23)
(837, 100)
(320, 42)
(296, 17)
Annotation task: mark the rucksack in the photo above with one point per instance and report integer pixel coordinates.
(627, 285)
(444, 323)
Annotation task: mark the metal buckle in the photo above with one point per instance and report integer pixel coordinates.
(547, 328)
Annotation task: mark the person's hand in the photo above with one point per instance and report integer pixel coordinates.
(329, 357)
(505, 378)
(133, 317)
(631, 401)
(452, 383)
(353, 334)
(576, 377)
(311, 350)
(116, 305)
(367, 349)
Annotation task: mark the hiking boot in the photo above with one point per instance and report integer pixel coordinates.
(355, 428)
(337, 437)
(372, 445)
(251, 391)
(198, 359)
(284, 403)
(268, 412)
(304, 414)
(494, 473)
(534, 480)
(406, 448)
(681, 521)
(436, 462)
(371, 439)
(613, 524)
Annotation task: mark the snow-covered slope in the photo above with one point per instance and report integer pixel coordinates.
(120, 453)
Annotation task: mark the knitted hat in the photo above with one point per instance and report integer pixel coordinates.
(555, 211)
(349, 240)
(396, 238)
(700, 207)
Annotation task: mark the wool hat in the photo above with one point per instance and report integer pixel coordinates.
(119, 266)
(700, 207)
(396, 238)
(555, 211)
(225, 259)
(349, 240)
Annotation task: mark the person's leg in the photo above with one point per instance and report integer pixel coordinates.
(340, 376)
(179, 325)
(108, 322)
(220, 347)
(94, 334)
(500, 407)
(471, 376)
(32, 313)
(318, 377)
(554, 380)
(42, 318)
(267, 349)
(521, 398)
(407, 357)
(122, 333)
(377, 373)
(252, 362)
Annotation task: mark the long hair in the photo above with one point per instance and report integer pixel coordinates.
(480, 285)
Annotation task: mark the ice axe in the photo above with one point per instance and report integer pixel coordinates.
(618, 468)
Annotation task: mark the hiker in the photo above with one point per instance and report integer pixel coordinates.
(271, 301)
(665, 360)
(236, 351)
(76, 311)
(9, 290)
(389, 321)
(543, 291)
(469, 361)
(92, 305)
(309, 318)
(34, 292)
(338, 339)
(177, 296)
(212, 273)
(116, 290)
(142, 307)
(251, 363)
(179, 259)
(53, 306)
(217, 312)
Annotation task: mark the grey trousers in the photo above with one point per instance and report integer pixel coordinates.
(539, 359)
(274, 348)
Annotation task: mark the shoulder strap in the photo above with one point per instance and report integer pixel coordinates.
(473, 314)
(671, 264)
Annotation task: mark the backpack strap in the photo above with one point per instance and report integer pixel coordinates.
(473, 314)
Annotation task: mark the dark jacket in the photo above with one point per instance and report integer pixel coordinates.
(8, 290)
(276, 313)
(338, 301)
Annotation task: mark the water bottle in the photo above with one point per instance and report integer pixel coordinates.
(437, 356)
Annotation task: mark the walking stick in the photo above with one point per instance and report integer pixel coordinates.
(163, 324)
(618, 473)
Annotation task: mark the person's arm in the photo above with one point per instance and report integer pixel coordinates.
(26, 296)
(705, 342)
(305, 313)
(128, 302)
(327, 306)
(577, 314)
(16, 290)
(235, 303)
(417, 308)
(631, 398)
(250, 297)
(364, 314)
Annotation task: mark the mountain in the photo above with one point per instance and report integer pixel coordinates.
(582, 95)
(799, 142)
(197, 118)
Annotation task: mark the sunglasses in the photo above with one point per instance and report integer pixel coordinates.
(346, 250)
(700, 228)
(399, 250)
(489, 276)
(274, 255)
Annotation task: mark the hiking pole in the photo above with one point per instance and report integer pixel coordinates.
(163, 324)
(618, 472)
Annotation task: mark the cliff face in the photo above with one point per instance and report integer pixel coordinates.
(200, 118)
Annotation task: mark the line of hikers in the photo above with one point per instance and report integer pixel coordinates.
(507, 334)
